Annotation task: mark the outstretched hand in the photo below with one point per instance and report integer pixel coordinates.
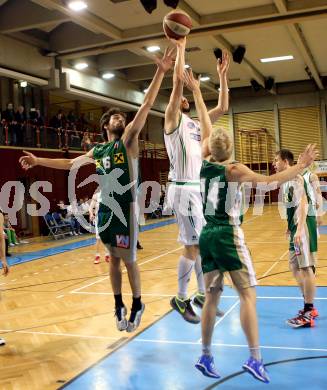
(223, 64)
(28, 161)
(190, 81)
(167, 61)
(308, 156)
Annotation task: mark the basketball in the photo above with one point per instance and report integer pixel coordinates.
(177, 24)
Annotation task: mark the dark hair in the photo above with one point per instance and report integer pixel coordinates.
(286, 154)
(105, 119)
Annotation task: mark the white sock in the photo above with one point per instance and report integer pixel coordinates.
(206, 349)
(255, 353)
(185, 268)
(199, 275)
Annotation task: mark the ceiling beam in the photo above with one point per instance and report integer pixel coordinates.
(300, 42)
(221, 41)
(85, 19)
(31, 40)
(216, 29)
(24, 15)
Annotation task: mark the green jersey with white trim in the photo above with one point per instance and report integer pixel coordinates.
(222, 200)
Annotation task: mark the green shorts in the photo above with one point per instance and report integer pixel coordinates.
(119, 231)
(223, 249)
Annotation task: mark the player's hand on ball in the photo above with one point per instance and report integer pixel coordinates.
(28, 161)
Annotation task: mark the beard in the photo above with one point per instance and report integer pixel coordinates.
(186, 110)
(118, 131)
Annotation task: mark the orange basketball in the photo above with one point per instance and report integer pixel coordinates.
(177, 24)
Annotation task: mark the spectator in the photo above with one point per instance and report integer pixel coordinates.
(71, 119)
(8, 118)
(10, 231)
(20, 119)
(57, 124)
(86, 143)
(68, 218)
(82, 123)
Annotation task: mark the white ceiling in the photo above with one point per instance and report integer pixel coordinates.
(113, 36)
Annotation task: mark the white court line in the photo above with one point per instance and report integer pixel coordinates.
(260, 297)
(110, 293)
(275, 263)
(107, 277)
(224, 316)
(59, 334)
(159, 341)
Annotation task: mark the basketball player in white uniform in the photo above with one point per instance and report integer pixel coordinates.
(183, 144)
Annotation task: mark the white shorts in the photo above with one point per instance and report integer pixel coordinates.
(186, 202)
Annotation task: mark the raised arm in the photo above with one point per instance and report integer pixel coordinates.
(173, 112)
(134, 128)
(223, 99)
(241, 173)
(201, 109)
(30, 160)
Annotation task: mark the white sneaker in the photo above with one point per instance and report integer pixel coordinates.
(11, 244)
(75, 234)
(132, 326)
(2, 341)
(121, 321)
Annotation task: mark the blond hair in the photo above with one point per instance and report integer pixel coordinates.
(220, 144)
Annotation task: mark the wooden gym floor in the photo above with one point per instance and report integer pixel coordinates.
(57, 312)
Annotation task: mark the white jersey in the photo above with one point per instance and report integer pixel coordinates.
(184, 151)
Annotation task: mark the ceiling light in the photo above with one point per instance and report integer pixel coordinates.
(77, 5)
(186, 66)
(81, 65)
(108, 76)
(274, 59)
(23, 84)
(204, 78)
(153, 49)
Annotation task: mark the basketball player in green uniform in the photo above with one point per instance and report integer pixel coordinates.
(298, 196)
(222, 244)
(116, 165)
(3, 259)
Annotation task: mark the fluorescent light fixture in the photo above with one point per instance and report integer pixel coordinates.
(23, 84)
(153, 49)
(274, 59)
(77, 5)
(81, 65)
(186, 66)
(108, 76)
(204, 78)
(145, 90)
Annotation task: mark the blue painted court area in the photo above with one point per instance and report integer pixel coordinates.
(162, 357)
(21, 258)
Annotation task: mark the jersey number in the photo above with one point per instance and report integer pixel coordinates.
(106, 163)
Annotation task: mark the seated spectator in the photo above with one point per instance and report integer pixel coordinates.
(9, 231)
(67, 217)
(73, 210)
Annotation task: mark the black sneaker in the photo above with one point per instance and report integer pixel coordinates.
(185, 309)
(198, 301)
